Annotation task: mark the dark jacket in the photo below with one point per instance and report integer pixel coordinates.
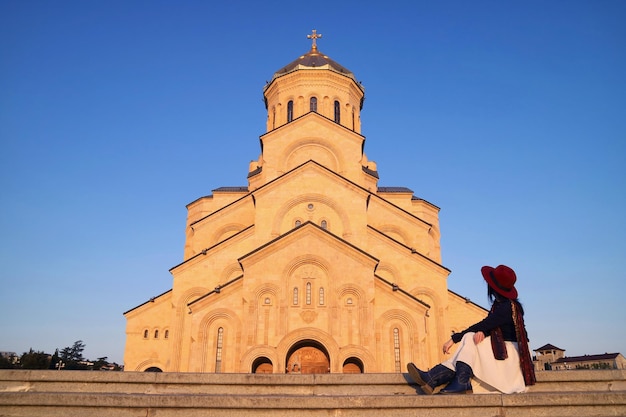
(501, 316)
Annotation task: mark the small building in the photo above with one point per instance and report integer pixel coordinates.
(546, 355)
(602, 361)
(11, 357)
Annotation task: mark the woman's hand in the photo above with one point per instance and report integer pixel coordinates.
(447, 346)
(478, 337)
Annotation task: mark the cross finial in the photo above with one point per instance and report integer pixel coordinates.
(314, 36)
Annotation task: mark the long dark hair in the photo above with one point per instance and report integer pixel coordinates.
(495, 297)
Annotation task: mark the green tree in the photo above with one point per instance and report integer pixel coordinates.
(72, 356)
(100, 362)
(35, 360)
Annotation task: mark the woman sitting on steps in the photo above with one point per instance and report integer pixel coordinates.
(494, 350)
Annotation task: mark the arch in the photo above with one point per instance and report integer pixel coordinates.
(249, 357)
(148, 363)
(179, 338)
(282, 211)
(334, 153)
(395, 233)
(231, 271)
(154, 369)
(389, 316)
(304, 260)
(289, 111)
(226, 231)
(357, 353)
(308, 357)
(352, 365)
(303, 151)
(337, 112)
(207, 342)
(311, 334)
(313, 104)
(409, 333)
(422, 291)
(262, 365)
(388, 271)
(264, 289)
(351, 289)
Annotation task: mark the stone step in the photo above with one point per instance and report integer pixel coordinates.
(129, 394)
(270, 384)
(191, 405)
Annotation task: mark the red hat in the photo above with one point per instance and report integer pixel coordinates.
(501, 279)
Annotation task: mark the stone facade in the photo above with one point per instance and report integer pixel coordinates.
(311, 267)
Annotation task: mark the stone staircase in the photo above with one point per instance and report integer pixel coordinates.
(132, 394)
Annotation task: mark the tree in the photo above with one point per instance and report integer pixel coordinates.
(8, 362)
(74, 353)
(100, 362)
(72, 356)
(35, 360)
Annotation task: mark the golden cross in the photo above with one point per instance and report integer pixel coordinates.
(314, 36)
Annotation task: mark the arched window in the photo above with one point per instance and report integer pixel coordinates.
(324, 224)
(218, 351)
(156, 334)
(295, 296)
(166, 335)
(321, 296)
(396, 348)
(337, 112)
(298, 223)
(290, 111)
(145, 334)
(273, 117)
(308, 293)
(313, 106)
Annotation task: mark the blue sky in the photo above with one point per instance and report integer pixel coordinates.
(509, 116)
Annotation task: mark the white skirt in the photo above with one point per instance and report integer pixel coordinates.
(505, 375)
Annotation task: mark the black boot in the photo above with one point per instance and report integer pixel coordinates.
(430, 380)
(462, 382)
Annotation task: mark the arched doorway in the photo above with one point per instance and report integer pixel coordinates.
(153, 369)
(353, 366)
(308, 357)
(262, 365)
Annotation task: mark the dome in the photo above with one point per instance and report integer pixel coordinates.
(314, 59)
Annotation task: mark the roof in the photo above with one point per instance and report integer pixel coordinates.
(394, 190)
(588, 358)
(548, 347)
(314, 59)
(237, 189)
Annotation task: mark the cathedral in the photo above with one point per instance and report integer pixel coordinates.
(312, 267)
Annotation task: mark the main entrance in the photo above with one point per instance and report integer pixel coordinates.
(308, 357)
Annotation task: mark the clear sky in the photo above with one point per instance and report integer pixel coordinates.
(509, 116)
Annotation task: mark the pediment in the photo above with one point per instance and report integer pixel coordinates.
(307, 241)
(312, 122)
(312, 137)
